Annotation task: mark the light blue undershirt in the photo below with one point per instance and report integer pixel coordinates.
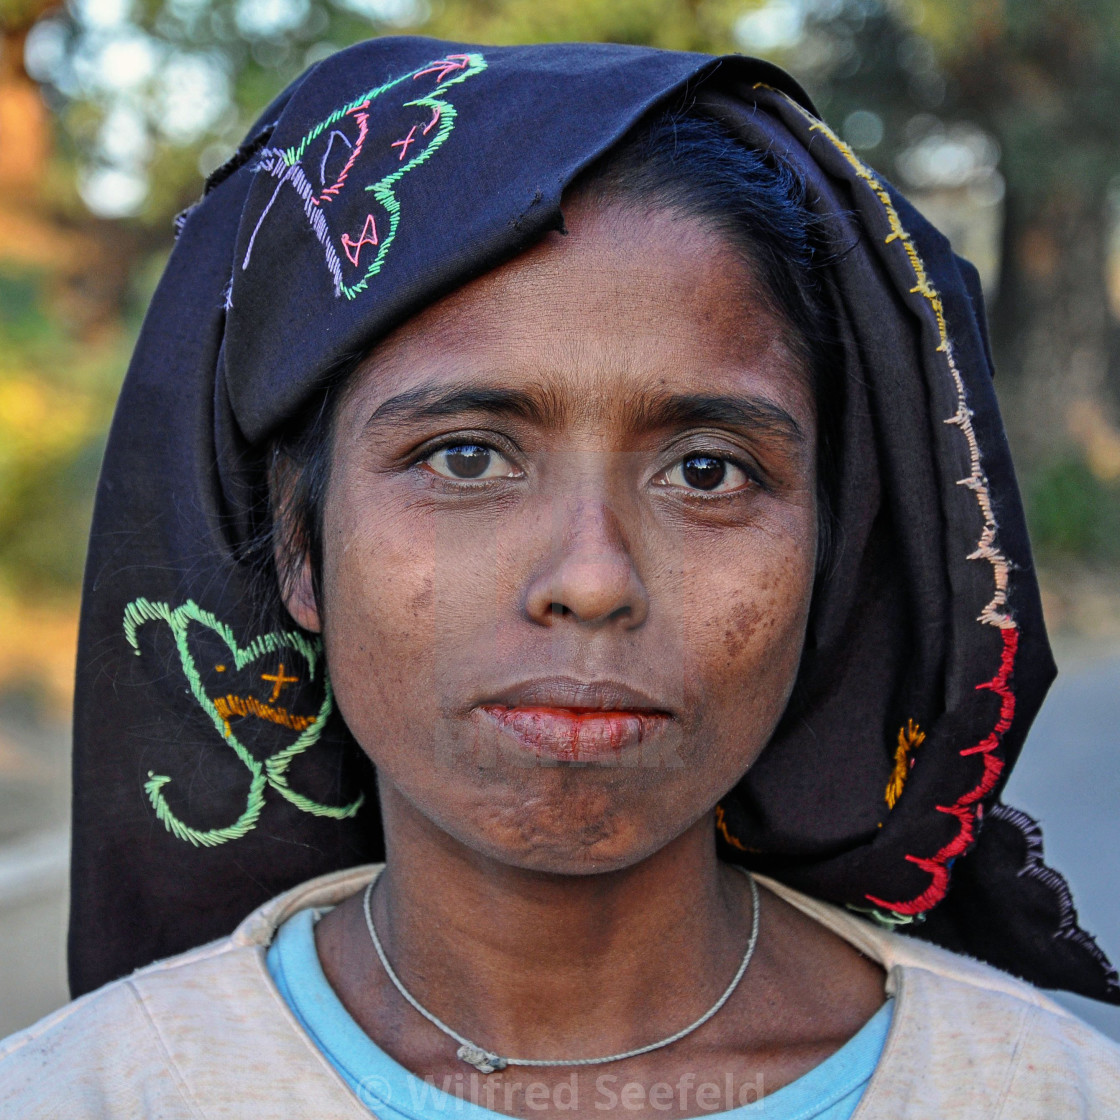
(831, 1091)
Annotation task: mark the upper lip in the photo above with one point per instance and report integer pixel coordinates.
(569, 692)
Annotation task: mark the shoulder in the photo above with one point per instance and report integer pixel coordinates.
(977, 1042)
(100, 1051)
(182, 1036)
(969, 1040)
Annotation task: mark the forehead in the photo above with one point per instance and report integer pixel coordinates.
(626, 304)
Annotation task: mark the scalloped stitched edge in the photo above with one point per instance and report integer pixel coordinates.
(1034, 868)
(967, 808)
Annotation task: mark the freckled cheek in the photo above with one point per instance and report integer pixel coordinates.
(379, 591)
(743, 630)
(417, 599)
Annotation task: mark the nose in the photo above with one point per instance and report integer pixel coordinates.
(589, 576)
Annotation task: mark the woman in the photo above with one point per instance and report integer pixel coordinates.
(628, 452)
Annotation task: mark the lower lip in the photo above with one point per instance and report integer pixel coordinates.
(573, 734)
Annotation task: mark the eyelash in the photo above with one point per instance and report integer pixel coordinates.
(425, 458)
(751, 474)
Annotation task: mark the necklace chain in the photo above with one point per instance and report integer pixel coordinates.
(485, 1061)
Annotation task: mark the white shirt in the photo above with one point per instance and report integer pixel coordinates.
(206, 1035)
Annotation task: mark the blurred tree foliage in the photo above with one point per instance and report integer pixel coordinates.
(1076, 513)
(1042, 79)
(111, 111)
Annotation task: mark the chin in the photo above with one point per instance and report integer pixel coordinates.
(566, 832)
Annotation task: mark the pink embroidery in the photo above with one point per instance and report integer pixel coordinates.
(350, 125)
(404, 144)
(369, 237)
(445, 66)
(355, 151)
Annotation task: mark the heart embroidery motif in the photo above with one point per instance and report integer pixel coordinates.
(224, 710)
(341, 156)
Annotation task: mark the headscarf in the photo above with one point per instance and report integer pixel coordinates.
(211, 771)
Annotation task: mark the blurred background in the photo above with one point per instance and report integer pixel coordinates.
(997, 117)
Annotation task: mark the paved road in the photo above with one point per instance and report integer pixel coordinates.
(1068, 778)
(34, 855)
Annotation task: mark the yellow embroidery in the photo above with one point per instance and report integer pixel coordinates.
(230, 706)
(910, 738)
(995, 613)
(724, 831)
(279, 681)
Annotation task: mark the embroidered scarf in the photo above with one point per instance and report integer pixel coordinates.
(211, 770)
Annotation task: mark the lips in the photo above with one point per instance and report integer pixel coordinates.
(567, 720)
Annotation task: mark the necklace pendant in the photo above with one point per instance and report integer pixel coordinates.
(482, 1061)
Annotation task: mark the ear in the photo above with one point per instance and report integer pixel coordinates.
(298, 593)
(290, 553)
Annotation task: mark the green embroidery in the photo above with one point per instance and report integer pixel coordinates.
(272, 771)
(286, 165)
(888, 919)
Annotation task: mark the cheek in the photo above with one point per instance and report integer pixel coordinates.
(743, 629)
(423, 604)
(379, 625)
(744, 621)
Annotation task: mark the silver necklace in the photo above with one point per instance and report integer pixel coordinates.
(485, 1061)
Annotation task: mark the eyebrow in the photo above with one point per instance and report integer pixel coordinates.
(750, 413)
(544, 408)
(428, 402)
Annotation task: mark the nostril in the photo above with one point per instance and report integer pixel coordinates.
(560, 610)
(591, 580)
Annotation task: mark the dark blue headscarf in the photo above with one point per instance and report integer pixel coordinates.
(211, 771)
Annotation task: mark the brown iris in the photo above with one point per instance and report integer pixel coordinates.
(467, 460)
(703, 472)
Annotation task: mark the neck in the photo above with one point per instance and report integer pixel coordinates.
(546, 965)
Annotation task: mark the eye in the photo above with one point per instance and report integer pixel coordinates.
(707, 473)
(474, 462)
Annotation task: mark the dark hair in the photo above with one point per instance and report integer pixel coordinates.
(691, 165)
(680, 161)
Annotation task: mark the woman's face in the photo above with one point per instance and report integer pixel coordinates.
(569, 544)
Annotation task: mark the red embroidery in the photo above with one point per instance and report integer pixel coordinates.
(967, 808)
(369, 237)
(999, 685)
(437, 113)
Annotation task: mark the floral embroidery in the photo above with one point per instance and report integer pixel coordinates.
(223, 710)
